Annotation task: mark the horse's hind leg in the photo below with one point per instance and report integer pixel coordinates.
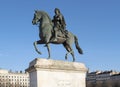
(66, 47)
(35, 45)
(70, 51)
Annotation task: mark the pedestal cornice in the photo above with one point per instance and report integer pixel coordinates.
(48, 64)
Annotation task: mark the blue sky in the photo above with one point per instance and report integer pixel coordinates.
(96, 23)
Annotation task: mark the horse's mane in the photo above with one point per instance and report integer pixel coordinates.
(45, 14)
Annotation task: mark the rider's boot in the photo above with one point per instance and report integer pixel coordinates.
(55, 38)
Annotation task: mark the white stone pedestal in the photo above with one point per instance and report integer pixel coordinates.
(54, 73)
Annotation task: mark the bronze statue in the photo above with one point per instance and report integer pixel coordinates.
(46, 34)
(59, 23)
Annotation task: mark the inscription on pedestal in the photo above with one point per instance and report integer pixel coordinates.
(64, 83)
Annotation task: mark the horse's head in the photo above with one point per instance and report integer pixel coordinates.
(36, 17)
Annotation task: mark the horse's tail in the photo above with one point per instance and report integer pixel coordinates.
(77, 45)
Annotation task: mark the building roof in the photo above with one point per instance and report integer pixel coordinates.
(3, 71)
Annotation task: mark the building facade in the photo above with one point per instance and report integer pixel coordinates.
(13, 79)
(103, 79)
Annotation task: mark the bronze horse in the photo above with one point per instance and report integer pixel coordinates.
(46, 34)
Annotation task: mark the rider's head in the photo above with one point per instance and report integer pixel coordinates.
(57, 11)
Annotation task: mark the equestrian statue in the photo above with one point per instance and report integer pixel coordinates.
(54, 31)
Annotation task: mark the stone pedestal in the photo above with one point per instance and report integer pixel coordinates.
(54, 73)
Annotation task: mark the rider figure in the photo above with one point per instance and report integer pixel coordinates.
(59, 23)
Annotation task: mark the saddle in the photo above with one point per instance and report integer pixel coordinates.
(61, 36)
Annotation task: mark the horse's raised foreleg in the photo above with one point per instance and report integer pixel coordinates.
(35, 45)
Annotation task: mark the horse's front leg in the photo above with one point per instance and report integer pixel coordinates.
(35, 45)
